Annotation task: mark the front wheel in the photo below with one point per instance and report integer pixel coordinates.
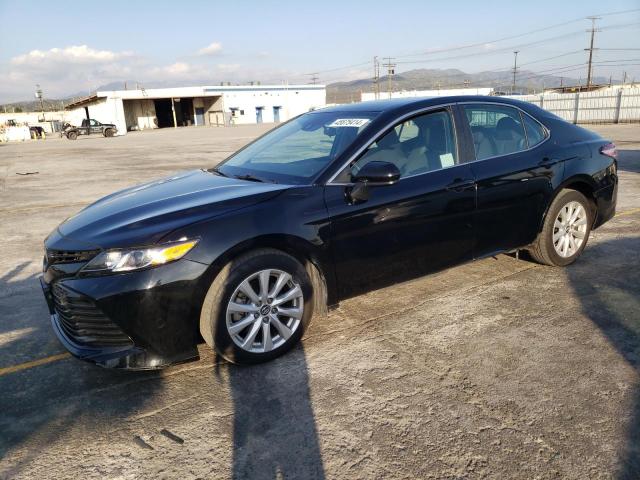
(258, 307)
(109, 132)
(566, 230)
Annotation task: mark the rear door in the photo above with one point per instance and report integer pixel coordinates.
(422, 223)
(514, 170)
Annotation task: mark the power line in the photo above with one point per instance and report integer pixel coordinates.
(552, 58)
(497, 50)
(511, 37)
(493, 51)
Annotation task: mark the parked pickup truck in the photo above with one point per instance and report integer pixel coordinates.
(89, 127)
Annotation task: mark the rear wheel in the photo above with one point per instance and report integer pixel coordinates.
(258, 307)
(72, 135)
(566, 230)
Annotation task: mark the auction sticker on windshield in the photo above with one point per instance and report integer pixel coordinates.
(349, 122)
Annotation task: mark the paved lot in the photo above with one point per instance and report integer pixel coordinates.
(497, 369)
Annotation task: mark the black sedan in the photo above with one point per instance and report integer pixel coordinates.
(331, 204)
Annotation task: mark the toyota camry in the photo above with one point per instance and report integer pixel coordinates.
(331, 204)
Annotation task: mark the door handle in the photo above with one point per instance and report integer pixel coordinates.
(461, 185)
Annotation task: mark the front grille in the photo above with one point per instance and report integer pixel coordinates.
(83, 322)
(70, 256)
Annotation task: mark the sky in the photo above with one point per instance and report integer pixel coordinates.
(75, 47)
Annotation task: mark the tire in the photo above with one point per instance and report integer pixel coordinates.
(109, 132)
(218, 315)
(72, 135)
(550, 248)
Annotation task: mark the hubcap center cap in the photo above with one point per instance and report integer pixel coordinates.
(265, 310)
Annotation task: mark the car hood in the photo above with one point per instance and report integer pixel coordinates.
(143, 214)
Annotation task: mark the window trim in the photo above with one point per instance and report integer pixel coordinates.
(544, 128)
(416, 113)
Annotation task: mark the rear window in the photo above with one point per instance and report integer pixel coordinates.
(535, 132)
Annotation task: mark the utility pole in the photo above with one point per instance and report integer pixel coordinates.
(593, 31)
(624, 78)
(376, 78)
(390, 71)
(314, 78)
(515, 70)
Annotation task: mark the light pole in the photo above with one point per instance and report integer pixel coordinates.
(39, 96)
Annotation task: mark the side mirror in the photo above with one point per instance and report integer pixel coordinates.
(376, 173)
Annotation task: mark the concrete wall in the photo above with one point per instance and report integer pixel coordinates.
(611, 105)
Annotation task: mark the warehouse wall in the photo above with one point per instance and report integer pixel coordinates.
(140, 113)
(292, 102)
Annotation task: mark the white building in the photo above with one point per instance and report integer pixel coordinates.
(441, 92)
(205, 105)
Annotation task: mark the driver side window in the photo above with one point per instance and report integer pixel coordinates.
(419, 145)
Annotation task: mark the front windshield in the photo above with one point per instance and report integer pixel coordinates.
(299, 149)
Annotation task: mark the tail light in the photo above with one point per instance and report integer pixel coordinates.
(609, 150)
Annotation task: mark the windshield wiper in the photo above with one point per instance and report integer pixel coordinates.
(248, 177)
(218, 172)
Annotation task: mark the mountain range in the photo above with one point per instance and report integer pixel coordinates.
(432, 79)
(345, 92)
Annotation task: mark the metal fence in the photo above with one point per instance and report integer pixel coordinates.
(607, 106)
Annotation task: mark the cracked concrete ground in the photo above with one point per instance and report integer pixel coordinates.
(496, 369)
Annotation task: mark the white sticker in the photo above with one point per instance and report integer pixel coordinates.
(447, 160)
(349, 122)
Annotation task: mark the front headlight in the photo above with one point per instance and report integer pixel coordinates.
(135, 259)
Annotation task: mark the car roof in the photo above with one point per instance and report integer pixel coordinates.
(400, 105)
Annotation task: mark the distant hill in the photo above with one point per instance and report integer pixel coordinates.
(345, 92)
(431, 79)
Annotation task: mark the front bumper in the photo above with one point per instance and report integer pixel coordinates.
(149, 318)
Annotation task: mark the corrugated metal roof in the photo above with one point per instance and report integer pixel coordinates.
(82, 102)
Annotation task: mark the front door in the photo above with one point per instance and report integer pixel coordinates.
(276, 114)
(514, 175)
(95, 126)
(422, 223)
(258, 114)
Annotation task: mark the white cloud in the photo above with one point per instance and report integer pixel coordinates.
(178, 68)
(75, 54)
(214, 48)
(228, 67)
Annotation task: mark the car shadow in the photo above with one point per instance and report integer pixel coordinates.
(629, 160)
(611, 300)
(42, 404)
(274, 429)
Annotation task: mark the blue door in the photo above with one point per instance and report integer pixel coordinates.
(199, 116)
(258, 114)
(276, 114)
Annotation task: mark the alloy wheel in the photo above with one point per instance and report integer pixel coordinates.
(569, 229)
(264, 311)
